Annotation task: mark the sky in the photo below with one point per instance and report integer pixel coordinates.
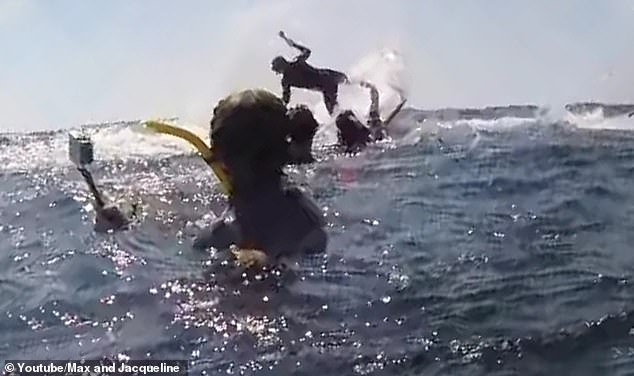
(69, 62)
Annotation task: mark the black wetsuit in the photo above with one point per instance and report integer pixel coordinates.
(353, 134)
(302, 75)
(273, 216)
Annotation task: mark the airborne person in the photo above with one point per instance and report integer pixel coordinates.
(298, 73)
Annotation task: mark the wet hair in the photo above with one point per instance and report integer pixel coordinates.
(250, 129)
(303, 124)
(351, 132)
(301, 134)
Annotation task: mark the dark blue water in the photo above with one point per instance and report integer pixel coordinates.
(464, 253)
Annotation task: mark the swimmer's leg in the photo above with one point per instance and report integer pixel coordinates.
(330, 99)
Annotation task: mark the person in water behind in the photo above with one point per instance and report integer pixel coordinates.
(298, 73)
(250, 132)
(302, 132)
(352, 134)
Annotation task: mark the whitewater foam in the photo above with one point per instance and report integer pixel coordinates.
(384, 69)
(501, 123)
(120, 141)
(596, 119)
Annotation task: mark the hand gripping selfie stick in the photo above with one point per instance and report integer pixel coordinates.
(81, 153)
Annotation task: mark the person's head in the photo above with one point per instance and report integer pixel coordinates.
(351, 132)
(279, 64)
(303, 122)
(248, 133)
(303, 127)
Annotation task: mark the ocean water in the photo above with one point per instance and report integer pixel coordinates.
(462, 247)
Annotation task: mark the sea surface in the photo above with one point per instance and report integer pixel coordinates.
(475, 242)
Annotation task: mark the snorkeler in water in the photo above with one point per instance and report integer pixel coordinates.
(353, 134)
(302, 133)
(251, 135)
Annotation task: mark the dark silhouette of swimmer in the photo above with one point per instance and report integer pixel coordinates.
(631, 114)
(299, 74)
(272, 218)
(353, 134)
(302, 132)
(108, 217)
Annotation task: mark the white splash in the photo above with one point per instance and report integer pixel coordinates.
(597, 120)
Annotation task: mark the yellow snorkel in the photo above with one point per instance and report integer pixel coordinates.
(205, 151)
(246, 257)
(238, 114)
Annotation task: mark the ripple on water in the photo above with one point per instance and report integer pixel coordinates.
(443, 259)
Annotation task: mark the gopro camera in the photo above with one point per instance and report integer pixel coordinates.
(80, 149)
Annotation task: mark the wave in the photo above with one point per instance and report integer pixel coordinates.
(113, 141)
(607, 110)
(601, 117)
(123, 140)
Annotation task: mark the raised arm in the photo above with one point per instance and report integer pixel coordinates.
(373, 115)
(304, 51)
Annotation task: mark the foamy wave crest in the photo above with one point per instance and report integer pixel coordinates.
(132, 141)
(596, 119)
(501, 123)
(119, 141)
